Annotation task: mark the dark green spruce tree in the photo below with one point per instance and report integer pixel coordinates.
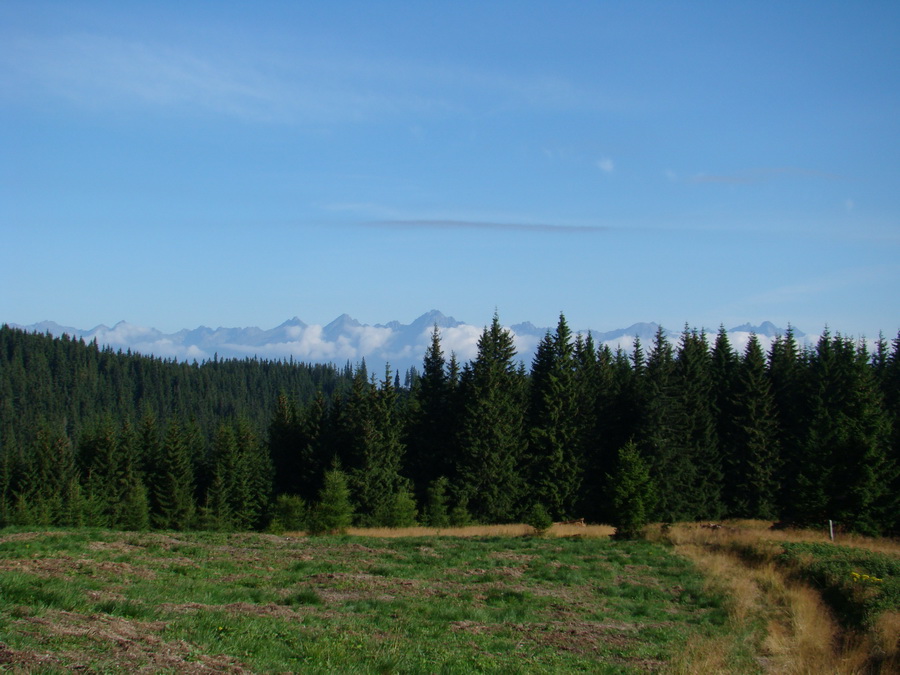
(379, 487)
(622, 404)
(753, 463)
(593, 377)
(492, 433)
(662, 430)
(254, 489)
(431, 437)
(44, 492)
(297, 445)
(848, 473)
(632, 493)
(113, 490)
(788, 373)
(333, 512)
(227, 486)
(172, 481)
(724, 373)
(285, 440)
(890, 387)
(554, 426)
(698, 424)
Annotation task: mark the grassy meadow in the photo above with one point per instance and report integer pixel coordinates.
(485, 600)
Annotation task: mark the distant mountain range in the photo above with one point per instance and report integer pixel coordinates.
(347, 340)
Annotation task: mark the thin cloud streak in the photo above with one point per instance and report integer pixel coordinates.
(762, 175)
(841, 279)
(482, 225)
(100, 72)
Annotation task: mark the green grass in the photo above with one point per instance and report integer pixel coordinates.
(164, 602)
(859, 585)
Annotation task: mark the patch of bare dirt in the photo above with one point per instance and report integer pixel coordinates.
(471, 627)
(114, 546)
(503, 572)
(28, 536)
(66, 565)
(582, 637)
(348, 586)
(166, 541)
(180, 561)
(24, 660)
(269, 609)
(104, 595)
(523, 558)
(354, 547)
(134, 645)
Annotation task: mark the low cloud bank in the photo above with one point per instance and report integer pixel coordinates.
(346, 341)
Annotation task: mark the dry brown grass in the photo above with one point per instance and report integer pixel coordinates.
(761, 530)
(515, 530)
(887, 635)
(724, 574)
(801, 635)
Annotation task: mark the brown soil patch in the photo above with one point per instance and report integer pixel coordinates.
(63, 566)
(582, 637)
(503, 572)
(269, 609)
(334, 587)
(523, 558)
(114, 546)
(29, 536)
(134, 645)
(23, 660)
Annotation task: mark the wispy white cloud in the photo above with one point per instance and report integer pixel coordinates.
(606, 165)
(839, 279)
(97, 71)
(760, 175)
(101, 72)
(484, 225)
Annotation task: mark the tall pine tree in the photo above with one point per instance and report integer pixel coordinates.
(753, 463)
(172, 482)
(698, 424)
(662, 430)
(554, 422)
(431, 437)
(377, 480)
(492, 430)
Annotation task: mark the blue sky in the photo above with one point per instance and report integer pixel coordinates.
(232, 164)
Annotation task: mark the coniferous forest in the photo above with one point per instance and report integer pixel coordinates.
(89, 436)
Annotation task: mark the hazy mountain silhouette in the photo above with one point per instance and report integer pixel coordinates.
(347, 340)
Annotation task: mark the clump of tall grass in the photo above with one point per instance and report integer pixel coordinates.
(513, 530)
(800, 626)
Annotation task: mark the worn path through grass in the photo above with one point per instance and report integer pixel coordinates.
(819, 606)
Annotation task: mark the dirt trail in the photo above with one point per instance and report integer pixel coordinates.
(801, 634)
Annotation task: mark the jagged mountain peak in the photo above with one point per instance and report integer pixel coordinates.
(432, 318)
(296, 321)
(766, 328)
(347, 339)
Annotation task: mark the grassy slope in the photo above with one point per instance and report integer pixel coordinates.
(180, 602)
